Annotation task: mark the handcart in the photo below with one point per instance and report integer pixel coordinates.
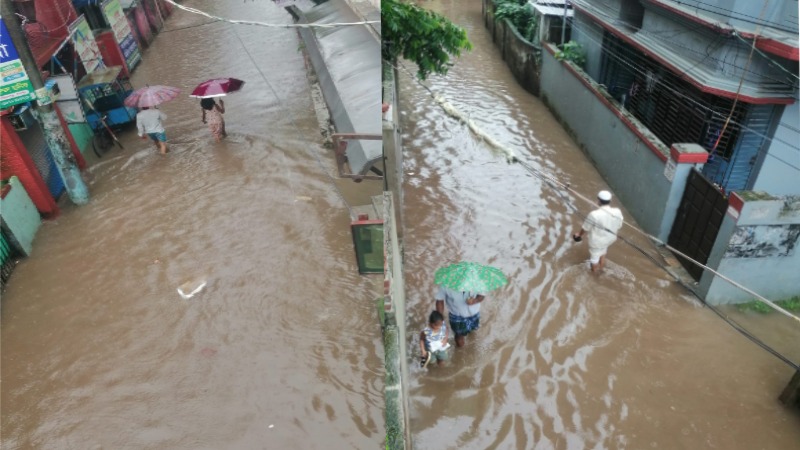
(103, 92)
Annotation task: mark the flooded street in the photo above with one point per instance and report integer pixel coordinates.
(563, 359)
(281, 349)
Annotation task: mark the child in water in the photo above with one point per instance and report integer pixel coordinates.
(212, 114)
(433, 340)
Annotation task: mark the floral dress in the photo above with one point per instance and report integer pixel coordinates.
(216, 123)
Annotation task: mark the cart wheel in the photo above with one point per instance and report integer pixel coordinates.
(101, 142)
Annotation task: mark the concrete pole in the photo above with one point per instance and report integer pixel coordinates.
(54, 134)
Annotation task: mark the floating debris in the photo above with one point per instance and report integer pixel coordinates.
(190, 288)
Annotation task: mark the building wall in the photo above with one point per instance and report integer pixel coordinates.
(395, 336)
(519, 54)
(721, 59)
(20, 216)
(590, 35)
(758, 246)
(782, 13)
(393, 144)
(629, 157)
(775, 175)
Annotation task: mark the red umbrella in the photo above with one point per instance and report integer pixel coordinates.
(218, 87)
(150, 96)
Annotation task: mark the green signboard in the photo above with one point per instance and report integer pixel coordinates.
(15, 87)
(368, 242)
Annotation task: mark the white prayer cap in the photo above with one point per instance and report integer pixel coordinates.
(604, 196)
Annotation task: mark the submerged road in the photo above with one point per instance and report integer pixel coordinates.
(563, 359)
(280, 350)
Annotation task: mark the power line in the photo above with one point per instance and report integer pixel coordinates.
(741, 83)
(555, 184)
(658, 35)
(271, 25)
(738, 15)
(296, 127)
(770, 61)
(684, 96)
(588, 31)
(510, 155)
(643, 71)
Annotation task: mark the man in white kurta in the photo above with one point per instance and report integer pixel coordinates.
(602, 225)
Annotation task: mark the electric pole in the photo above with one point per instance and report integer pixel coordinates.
(54, 134)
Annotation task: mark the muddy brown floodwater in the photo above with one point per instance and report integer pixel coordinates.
(280, 350)
(563, 359)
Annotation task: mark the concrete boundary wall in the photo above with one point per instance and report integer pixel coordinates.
(758, 246)
(646, 176)
(519, 54)
(393, 144)
(394, 335)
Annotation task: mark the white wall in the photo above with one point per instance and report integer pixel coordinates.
(776, 176)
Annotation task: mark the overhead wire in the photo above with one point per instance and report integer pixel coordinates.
(271, 25)
(617, 21)
(594, 36)
(511, 157)
(640, 70)
(737, 15)
(557, 185)
(769, 59)
(338, 191)
(738, 90)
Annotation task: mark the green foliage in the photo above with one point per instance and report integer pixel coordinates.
(792, 304)
(573, 52)
(520, 14)
(421, 36)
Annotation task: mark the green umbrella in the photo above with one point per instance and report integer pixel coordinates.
(469, 276)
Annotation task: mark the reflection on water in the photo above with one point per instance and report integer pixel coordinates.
(563, 359)
(278, 349)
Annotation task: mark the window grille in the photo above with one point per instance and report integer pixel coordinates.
(677, 112)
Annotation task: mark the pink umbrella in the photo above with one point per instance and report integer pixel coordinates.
(150, 96)
(218, 87)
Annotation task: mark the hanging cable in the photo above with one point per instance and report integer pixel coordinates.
(511, 157)
(296, 127)
(637, 69)
(554, 184)
(741, 81)
(271, 25)
(771, 61)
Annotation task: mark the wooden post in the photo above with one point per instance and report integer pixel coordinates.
(54, 133)
(791, 395)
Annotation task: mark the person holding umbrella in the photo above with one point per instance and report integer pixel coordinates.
(462, 289)
(212, 114)
(148, 119)
(148, 122)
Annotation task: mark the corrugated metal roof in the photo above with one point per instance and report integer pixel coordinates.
(548, 10)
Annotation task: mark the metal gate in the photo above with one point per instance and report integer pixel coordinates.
(733, 172)
(699, 217)
(7, 254)
(33, 139)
